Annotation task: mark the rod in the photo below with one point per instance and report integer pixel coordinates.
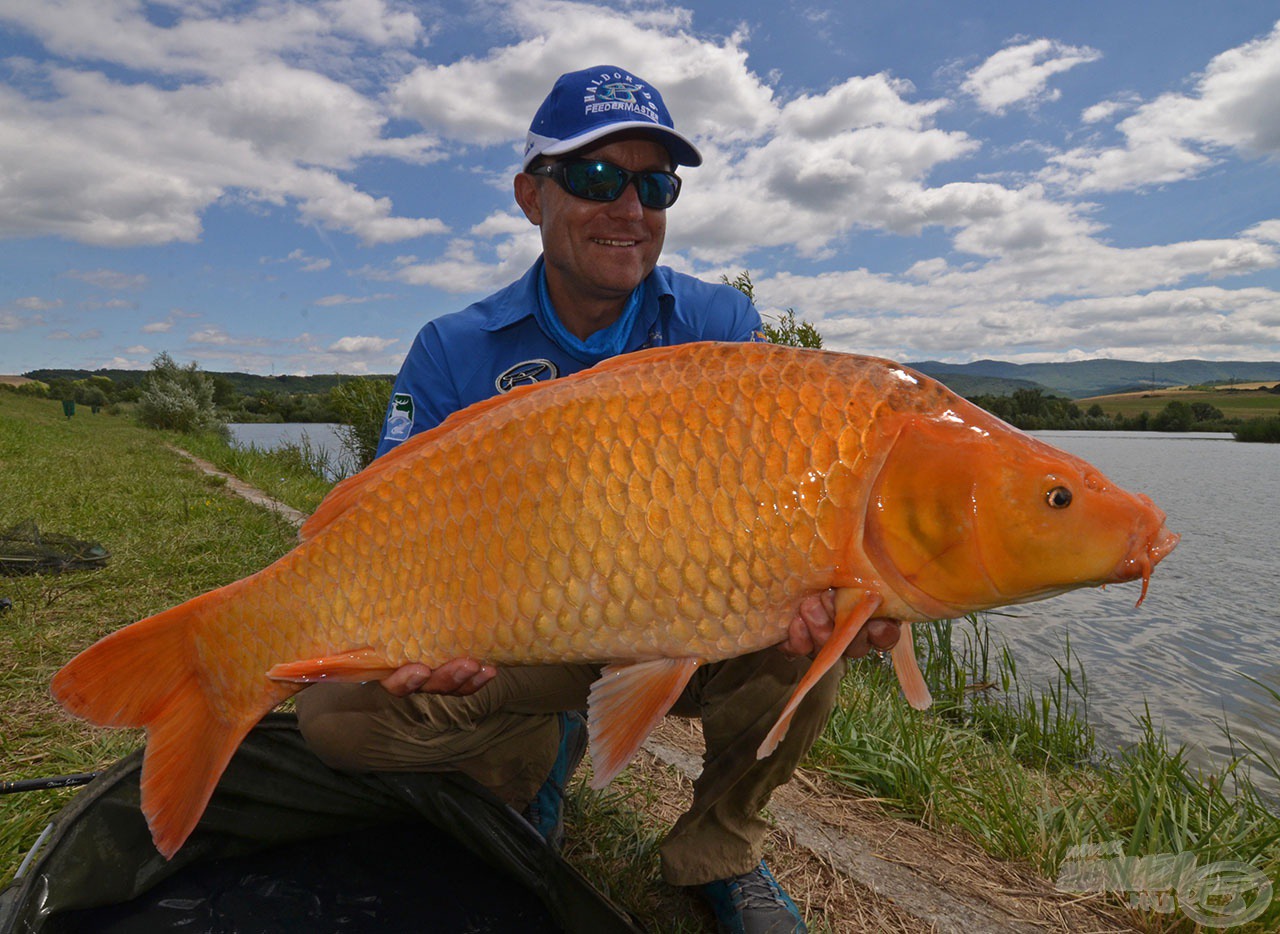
(52, 781)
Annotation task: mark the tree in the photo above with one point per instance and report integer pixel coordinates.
(178, 398)
(788, 330)
(1176, 416)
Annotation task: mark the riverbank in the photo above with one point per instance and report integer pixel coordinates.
(174, 534)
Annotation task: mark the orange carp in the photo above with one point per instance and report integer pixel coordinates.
(659, 511)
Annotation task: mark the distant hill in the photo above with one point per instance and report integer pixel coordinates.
(1076, 380)
(247, 384)
(1084, 378)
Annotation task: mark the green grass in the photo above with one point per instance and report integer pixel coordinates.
(295, 474)
(172, 534)
(1246, 404)
(1021, 773)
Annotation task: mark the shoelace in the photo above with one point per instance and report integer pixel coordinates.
(755, 890)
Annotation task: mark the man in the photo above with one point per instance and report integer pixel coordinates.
(598, 176)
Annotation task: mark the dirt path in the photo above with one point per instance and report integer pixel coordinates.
(842, 857)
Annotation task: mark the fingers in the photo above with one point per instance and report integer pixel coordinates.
(459, 676)
(878, 633)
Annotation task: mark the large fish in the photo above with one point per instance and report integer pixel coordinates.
(659, 511)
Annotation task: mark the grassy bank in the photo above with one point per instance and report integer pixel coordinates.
(171, 534)
(1018, 771)
(1021, 772)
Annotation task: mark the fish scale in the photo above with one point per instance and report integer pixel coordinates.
(509, 521)
(659, 511)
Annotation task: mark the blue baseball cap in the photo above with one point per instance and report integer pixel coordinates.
(586, 105)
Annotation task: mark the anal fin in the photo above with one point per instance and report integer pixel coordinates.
(907, 669)
(624, 706)
(365, 664)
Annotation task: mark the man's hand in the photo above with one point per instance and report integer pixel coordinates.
(815, 619)
(460, 676)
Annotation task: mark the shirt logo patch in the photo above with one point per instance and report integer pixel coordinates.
(400, 418)
(522, 374)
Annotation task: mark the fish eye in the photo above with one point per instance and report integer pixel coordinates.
(1059, 497)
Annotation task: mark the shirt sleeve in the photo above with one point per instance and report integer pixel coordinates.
(424, 393)
(731, 316)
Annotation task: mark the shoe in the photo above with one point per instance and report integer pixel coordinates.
(753, 903)
(546, 811)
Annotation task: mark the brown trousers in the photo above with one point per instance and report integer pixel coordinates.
(505, 736)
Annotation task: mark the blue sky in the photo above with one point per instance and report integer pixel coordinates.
(287, 187)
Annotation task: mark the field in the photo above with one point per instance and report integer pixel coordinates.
(1233, 403)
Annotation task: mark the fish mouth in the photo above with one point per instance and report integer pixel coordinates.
(1158, 547)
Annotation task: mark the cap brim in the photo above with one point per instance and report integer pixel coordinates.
(682, 150)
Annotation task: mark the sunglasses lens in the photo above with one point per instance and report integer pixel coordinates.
(604, 181)
(658, 189)
(596, 181)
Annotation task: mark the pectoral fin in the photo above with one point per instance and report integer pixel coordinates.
(624, 706)
(853, 609)
(908, 671)
(357, 665)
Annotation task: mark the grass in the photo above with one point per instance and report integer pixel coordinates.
(295, 474)
(171, 533)
(1017, 769)
(1020, 772)
(1245, 404)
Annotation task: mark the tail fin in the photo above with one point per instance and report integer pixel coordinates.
(150, 675)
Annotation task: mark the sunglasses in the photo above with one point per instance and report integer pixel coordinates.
(603, 181)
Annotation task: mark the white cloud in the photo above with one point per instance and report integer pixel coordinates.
(238, 107)
(462, 269)
(1019, 74)
(35, 303)
(110, 279)
(9, 321)
(489, 101)
(362, 345)
(1178, 136)
(216, 336)
(1103, 111)
(330, 301)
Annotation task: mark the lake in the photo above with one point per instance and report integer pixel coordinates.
(1211, 619)
(319, 437)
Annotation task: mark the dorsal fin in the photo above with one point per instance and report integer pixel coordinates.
(349, 491)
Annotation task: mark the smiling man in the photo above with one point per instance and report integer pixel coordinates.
(597, 179)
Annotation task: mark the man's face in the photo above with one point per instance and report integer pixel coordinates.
(598, 250)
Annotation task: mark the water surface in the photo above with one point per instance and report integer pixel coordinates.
(1211, 619)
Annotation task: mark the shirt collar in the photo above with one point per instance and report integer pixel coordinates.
(519, 299)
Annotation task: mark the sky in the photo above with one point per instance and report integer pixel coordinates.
(297, 187)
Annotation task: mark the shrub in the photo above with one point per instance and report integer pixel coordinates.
(1260, 429)
(361, 405)
(178, 398)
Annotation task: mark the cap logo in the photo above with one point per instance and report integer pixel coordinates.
(618, 91)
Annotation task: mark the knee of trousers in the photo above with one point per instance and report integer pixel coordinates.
(333, 725)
